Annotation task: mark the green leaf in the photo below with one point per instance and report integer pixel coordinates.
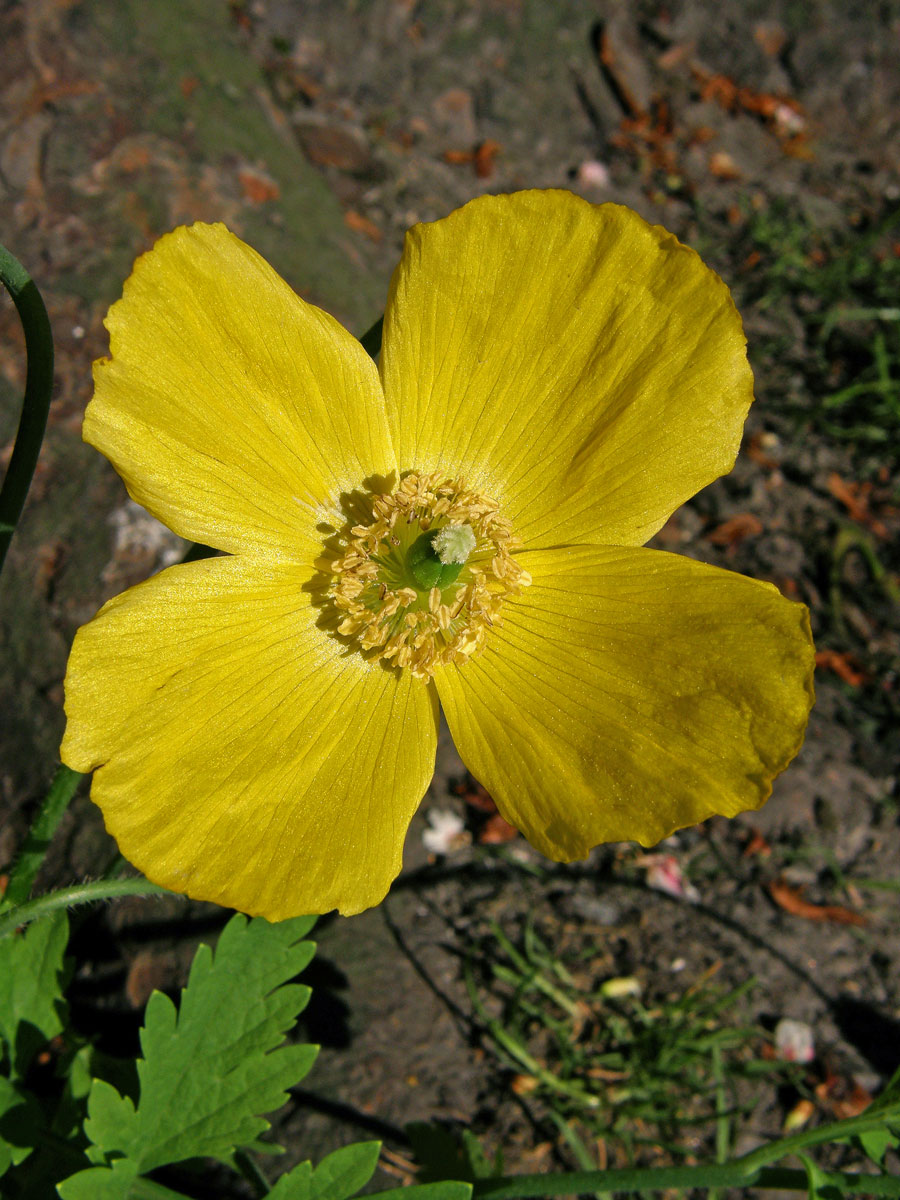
(343, 1173)
(448, 1189)
(346, 1171)
(820, 1187)
(294, 1185)
(20, 1119)
(100, 1183)
(877, 1142)
(889, 1097)
(337, 1177)
(445, 1153)
(213, 1066)
(32, 977)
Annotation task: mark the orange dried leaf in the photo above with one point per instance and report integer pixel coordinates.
(458, 158)
(756, 844)
(537, 1160)
(843, 664)
(475, 796)
(607, 1074)
(360, 224)
(497, 830)
(792, 901)
(715, 87)
(852, 1104)
(736, 530)
(701, 135)
(844, 1096)
(257, 186)
(523, 1085)
(675, 55)
(484, 158)
(782, 115)
(723, 166)
(855, 498)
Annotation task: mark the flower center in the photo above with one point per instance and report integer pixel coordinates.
(424, 581)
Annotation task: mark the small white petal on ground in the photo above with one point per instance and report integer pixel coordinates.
(446, 832)
(794, 1041)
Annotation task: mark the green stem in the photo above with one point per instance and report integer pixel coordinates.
(84, 893)
(28, 863)
(38, 389)
(656, 1179)
(835, 1131)
(251, 1172)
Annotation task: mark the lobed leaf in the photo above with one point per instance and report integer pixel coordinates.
(101, 1183)
(211, 1067)
(32, 977)
(20, 1118)
(348, 1170)
(337, 1177)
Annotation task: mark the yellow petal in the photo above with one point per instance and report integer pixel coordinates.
(629, 693)
(235, 412)
(241, 754)
(578, 364)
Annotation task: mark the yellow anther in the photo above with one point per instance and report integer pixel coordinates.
(407, 626)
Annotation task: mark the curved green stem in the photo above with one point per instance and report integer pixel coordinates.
(835, 1131)
(38, 388)
(649, 1180)
(84, 893)
(27, 865)
(755, 1169)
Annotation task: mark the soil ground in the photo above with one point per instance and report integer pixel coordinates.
(765, 134)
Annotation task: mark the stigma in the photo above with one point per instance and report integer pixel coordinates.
(423, 583)
(454, 543)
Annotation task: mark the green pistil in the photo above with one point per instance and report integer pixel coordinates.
(426, 561)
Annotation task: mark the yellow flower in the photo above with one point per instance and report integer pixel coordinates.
(555, 379)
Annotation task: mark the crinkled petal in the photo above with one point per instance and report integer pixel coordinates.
(241, 754)
(579, 365)
(235, 412)
(629, 693)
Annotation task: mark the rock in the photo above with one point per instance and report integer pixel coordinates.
(336, 145)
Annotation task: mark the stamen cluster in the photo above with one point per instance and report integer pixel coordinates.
(388, 613)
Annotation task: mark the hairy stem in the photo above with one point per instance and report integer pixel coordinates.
(84, 893)
(28, 863)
